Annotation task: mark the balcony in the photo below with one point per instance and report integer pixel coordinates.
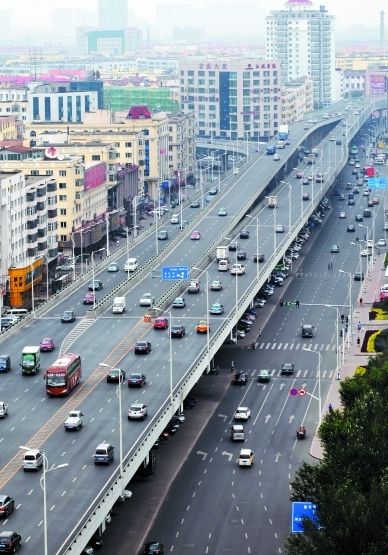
(32, 222)
(52, 187)
(52, 214)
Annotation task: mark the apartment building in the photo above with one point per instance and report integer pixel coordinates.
(296, 100)
(232, 98)
(13, 102)
(181, 143)
(303, 40)
(8, 128)
(28, 232)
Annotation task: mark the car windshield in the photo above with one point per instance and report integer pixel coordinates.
(135, 376)
(67, 313)
(56, 380)
(100, 452)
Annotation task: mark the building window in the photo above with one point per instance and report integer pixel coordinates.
(69, 108)
(35, 108)
(63, 198)
(63, 225)
(47, 108)
(62, 173)
(96, 157)
(78, 111)
(60, 108)
(62, 211)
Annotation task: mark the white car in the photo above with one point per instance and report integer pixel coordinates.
(276, 157)
(137, 411)
(381, 243)
(147, 300)
(365, 252)
(332, 138)
(3, 409)
(74, 421)
(246, 457)
(342, 215)
(237, 269)
(242, 413)
(279, 228)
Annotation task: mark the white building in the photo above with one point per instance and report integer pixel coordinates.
(353, 81)
(302, 39)
(56, 102)
(232, 98)
(297, 99)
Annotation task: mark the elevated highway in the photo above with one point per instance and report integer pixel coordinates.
(80, 496)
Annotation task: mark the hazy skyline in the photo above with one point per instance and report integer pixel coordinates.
(348, 14)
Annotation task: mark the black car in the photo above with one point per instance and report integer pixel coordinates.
(287, 369)
(68, 316)
(177, 330)
(240, 378)
(9, 541)
(233, 246)
(351, 228)
(113, 375)
(142, 347)
(121, 233)
(95, 285)
(244, 234)
(153, 548)
(258, 258)
(136, 380)
(241, 255)
(6, 505)
(358, 276)
(351, 202)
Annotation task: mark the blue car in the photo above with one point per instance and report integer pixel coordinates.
(216, 308)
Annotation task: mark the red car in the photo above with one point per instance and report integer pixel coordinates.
(299, 174)
(161, 323)
(89, 298)
(195, 236)
(47, 344)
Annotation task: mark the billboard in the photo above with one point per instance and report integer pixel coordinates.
(377, 83)
(95, 176)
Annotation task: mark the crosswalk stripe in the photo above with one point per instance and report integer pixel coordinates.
(297, 346)
(285, 346)
(315, 347)
(322, 347)
(273, 346)
(280, 346)
(268, 344)
(292, 346)
(305, 373)
(327, 346)
(261, 346)
(334, 347)
(298, 373)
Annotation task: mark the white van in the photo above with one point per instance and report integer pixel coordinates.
(223, 266)
(19, 312)
(130, 265)
(174, 219)
(32, 460)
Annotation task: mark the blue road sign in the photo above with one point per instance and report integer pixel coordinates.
(377, 182)
(175, 272)
(301, 510)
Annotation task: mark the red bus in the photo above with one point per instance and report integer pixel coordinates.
(369, 171)
(63, 375)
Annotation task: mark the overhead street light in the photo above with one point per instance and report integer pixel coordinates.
(170, 349)
(43, 486)
(319, 383)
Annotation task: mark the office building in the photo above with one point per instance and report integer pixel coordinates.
(57, 102)
(302, 39)
(108, 42)
(297, 99)
(232, 98)
(112, 14)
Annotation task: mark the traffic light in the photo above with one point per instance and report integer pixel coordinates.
(347, 319)
(341, 333)
(342, 317)
(346, 328)
(297, 304)
(281, 302)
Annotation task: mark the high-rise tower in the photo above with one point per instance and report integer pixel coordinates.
(112, 14)
(302, 39)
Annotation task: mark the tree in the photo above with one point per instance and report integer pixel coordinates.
(350, 484)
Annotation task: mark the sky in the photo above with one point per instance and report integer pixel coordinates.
(349, 13)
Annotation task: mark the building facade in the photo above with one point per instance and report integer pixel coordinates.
(112, 14)
(232, 98)
(53, 102)
(297, 99)
(181, 143)
(303, 40)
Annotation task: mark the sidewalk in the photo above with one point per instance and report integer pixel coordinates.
(354, 357)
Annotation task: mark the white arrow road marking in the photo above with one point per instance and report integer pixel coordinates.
(277, 457)
(267, 418)
(292, 417)
(202, 454)
(224, 416)
(226, 454)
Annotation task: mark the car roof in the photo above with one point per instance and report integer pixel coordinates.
(245, 451)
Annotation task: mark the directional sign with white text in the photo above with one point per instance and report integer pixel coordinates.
(301, 510)
(377, 182)
(175, 272)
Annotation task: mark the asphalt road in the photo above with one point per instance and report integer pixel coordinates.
(70, 490)
(216, 507)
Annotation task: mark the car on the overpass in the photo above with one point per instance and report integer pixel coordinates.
(259, 257)
(351, 228)
(137, 411)
(195, 204)
(217, 308)
(136, 379)
(305, 181)
(195, 235)
(68, 316)
(279, 228)
(299, 174)
(222, 211)
(233, 246)
(7, 505)
(246, 457)
(161, 323)
(244, 234)
(177, 330)
(9, 541)
(115, 375)
(147, 300)
(163, 235)
(194, 287)
(334, 249)
(216, 285)
(179, 302)
(213, 191)
(113, 267)
(89, 298)
(142, 347)
(202, 327)
(95, 285)
(47, 344)
(241, 255)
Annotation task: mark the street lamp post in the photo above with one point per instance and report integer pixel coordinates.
(43, 486)
(118, 393)
(257, 242)
(349, 339)
(319, 383)
(32, 290)
(127, 234)
(170, 350)
(207, 316)
(107, 233)
(73, 259)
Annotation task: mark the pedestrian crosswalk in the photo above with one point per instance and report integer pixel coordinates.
(302, 373)
(296, 346)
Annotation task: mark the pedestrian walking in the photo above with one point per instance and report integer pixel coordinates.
(358, 340)
(253, 346)
(359, 326)
(360, 301)
(232, 366)
(338, 375)
(330, 408)
(259, 334)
